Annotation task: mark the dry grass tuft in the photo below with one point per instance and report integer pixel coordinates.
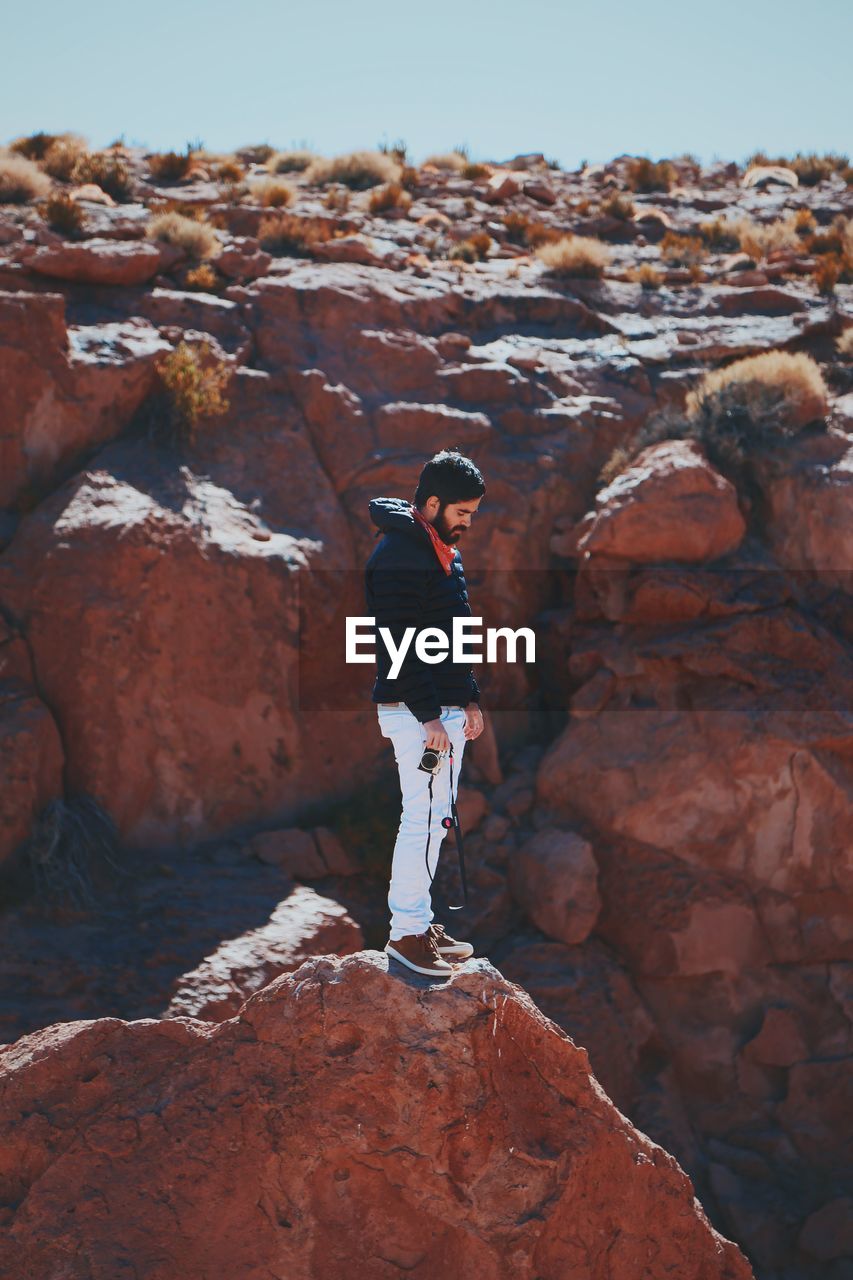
(788, 386)
(21, 180)
(734, 412)
(645, 175)
(358, 170)
(271, 194)
(758, 239)
(474, 249)
(573, 255)
(448, 161)
(197, 238)
(682, 251)
(194, 379)
(646, 275)
(171, 166)
(286, 234)
(63, 214)
(392, 196)
(63, 154)
(290, 161)
(107, 170)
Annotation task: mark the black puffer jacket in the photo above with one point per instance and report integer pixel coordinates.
(406, 586)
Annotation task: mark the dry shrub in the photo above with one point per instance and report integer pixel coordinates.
(758, 239)
(618, 206)
(196, 237)
(337, 199)
(194, 379)
(528, 231)
(646, 275)
(448, 161)
(290, 161)
(171, 166)
(754, 403)
(63, 154)
(258, 153)
(410, 178)
(719, 234)
(474, 171)
(35, 146)
(392, 196)
(107, 171)
(573, 255)
(229, 171)
(201, 277)
(646, 175)
(63, 214)
(474, 249)
(286, 234)
(787, 386)
(682, 251)
(826, 273)
(358, 170)
(21, 180)
(809, 167)
(271, 194)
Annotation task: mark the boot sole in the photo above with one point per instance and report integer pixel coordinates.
(417, 968)
(455, 955)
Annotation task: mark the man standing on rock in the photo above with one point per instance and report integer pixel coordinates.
(414, 579)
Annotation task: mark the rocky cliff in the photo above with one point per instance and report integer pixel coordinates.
(658, 814)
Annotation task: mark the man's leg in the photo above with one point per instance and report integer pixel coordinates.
(409, 891)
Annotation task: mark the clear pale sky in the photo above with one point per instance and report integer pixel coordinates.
(577, 81)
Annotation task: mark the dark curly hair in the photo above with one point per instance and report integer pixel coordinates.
(451, 477)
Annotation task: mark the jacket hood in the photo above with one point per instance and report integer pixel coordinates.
(395, 513)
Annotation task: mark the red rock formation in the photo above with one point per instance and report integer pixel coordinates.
(344, 1121)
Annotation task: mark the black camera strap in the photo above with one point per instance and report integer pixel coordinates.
(447, 823)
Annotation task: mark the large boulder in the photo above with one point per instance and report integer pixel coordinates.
(344, 1119)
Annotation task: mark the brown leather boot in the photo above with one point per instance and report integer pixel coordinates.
(449, 947)
(418, 951)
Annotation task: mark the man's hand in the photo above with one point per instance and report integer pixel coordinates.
(436, 735)
(473, 721)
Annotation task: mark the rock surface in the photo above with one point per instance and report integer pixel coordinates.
(293, 1138)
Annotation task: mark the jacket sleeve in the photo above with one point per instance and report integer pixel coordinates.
(475, 690)
(398, 600)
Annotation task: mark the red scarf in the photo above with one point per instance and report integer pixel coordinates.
(444, 552)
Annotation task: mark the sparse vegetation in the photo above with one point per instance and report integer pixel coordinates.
(753, 403)
(194, 380)
(810, 167)
(682, 251)
(758, 239)
(71, 843)
(392, 196)
(337, 199)
(358, 170)
(21, 180)
(229, 171)
(474, 249)
(63, 214)
(454, 161)
(286, 234)
(644, 175)
(35, 146)
(573, 255)
(618, 206)
(527, 231)
(63, 154)
(646, 275)
(720, 235)
(473, 171)
(107, 170)
(258, 153)
(196, 237)
(202, 277)
(171, 166)
(271, 194)
(290, 161)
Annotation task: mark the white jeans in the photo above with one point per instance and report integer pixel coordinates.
(409, 891)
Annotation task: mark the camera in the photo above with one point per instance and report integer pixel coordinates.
(432, 761)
